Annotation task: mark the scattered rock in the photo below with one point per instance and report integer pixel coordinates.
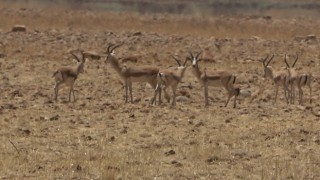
(78, 168)
(176, 163)
(212, 159)
(182, 99)
(16, 93)
(54, 118)
(25, 131)
(131, 115)
(239, 154)
(311, 38)
(245, 92)
(171, 152)
(184, 92)
(199, 124)
(124, 130)
(302, 108)
(8, 106)
(19, 28)
(112, 138)
(2, 55)
(145, 135)
(137, 33)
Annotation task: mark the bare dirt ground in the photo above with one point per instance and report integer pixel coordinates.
(101, 137)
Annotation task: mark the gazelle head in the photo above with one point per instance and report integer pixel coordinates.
(194, 59)
(181, 67)
(110, 51)
(266, 68)
(291, 69)
(80, 61)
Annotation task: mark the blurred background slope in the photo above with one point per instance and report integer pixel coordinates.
(300, 8)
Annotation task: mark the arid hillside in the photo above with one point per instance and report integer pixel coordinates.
(101, 137)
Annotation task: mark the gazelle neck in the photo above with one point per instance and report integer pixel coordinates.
(196, 71)
(271, 73)
(181, 71)
(79, 67)
(115, 64)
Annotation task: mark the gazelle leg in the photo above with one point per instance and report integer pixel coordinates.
(300, 95)
(70, 91)
(174, 89)
(56, 90)
(130, 90)
(275, 99)
(293, 93)
(310, 94)
(206, 94)
(166, 94)
(156, 91)
(160, 90)
(126, 89)
(228, 99)
(74, 97)
(287, 93)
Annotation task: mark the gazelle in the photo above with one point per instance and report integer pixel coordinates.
(280, 78)
(293, 75)
(170, 78)
(298, 79)
(215, 78)
(132, 73)
(68, 75)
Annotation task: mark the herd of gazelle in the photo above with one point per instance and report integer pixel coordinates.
(289, 79)
(161, 79)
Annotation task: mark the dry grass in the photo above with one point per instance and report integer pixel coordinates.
(100, 137)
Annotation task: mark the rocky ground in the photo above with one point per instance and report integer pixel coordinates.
(101, 137)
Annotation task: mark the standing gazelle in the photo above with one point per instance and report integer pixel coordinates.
(215, 78)
(298, 79)
(293, 75)
(280, 78)
(68, 75)
(170, 78)
(131, 74)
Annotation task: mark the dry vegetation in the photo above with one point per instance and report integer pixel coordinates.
(100, 137)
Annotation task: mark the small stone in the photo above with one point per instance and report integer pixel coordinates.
(19, 28)
(171, 152)
(54, 118)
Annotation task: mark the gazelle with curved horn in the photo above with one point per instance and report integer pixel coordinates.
(68, 75)
(293, 75)
(170, 78)
(280, 78)
(131, 74)
(298, 79)
(224, 79)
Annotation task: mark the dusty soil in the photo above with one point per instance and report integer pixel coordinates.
(101, 137)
